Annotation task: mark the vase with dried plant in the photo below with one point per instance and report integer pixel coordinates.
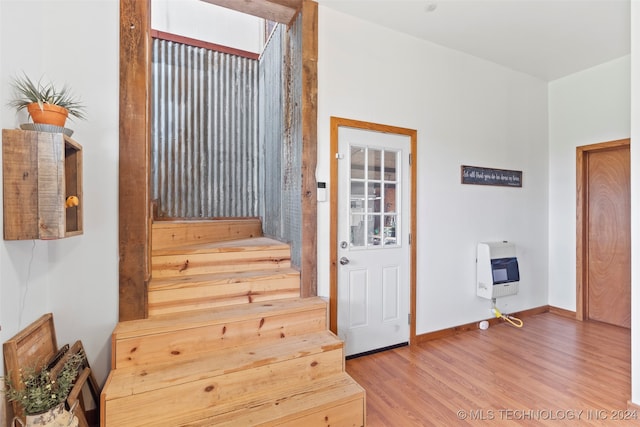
(41, 393)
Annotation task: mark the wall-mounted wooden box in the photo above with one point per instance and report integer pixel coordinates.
(40, 170)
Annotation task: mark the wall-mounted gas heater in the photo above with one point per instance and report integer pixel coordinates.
(497, 270)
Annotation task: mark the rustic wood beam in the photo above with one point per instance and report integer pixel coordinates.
(309, 268)
(282, 11)
(134, 165)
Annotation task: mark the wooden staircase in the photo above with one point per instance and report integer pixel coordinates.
(228, 341)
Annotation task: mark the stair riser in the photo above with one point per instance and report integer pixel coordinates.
(201, 296)
(182, 344)
(171, 234)
(196, 400)
(342, 403)
(134, 380)
(225, 262)
(347, 414)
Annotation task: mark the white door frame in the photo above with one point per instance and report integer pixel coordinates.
(336, 123)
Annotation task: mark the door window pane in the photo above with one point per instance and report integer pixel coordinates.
(358, 230)
(357, 194)
(375, 198)
(390, 165)
(374, 164)
(389, 197)
(389, 234)
(375, 237)
(357, 162)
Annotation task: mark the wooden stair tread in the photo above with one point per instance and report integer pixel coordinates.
(180, 336)
(242, 245)
(296, 407)
(213, 290)
(223, 257)
(135, 379)
(290, 401)
(170, 233)
(220, 278)
(172, 223)
(181, 321)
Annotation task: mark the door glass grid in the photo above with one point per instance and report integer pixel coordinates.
(374, 198)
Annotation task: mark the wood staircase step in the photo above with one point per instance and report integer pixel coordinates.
(333, 401)
(222, 384)
(336, 398)
(206, 291)
(125, 382)
(323, 349)
(228, 340)
(180, 336)
(232, 246)
(166, 234)
(259, 253)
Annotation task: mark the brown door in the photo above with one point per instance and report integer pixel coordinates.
(608, 240)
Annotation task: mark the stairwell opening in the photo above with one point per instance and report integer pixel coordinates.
(226, 136)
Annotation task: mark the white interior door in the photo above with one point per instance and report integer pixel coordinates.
(373, 239)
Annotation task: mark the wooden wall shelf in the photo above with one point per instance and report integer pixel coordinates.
(40, 170)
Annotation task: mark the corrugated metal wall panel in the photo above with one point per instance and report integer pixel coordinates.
(292, 159)
(271, 128)
(205, 151)
(227, 136)
(281, 133)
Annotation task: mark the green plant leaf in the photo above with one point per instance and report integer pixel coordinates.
(26, 92)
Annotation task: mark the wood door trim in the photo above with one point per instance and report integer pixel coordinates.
(336, 123)
(581, 219)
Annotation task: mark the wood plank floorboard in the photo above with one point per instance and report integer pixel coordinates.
(555, 371)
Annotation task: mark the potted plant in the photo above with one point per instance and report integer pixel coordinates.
(45, 103)
(41, 393)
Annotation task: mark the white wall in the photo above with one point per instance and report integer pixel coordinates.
(467, 111)
(203, 21)
(588, 107)
(76, 279)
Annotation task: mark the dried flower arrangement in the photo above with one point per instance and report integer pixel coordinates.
(41, 390)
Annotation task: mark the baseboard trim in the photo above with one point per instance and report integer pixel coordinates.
(430, 336)
(632, 406)
(563, 312)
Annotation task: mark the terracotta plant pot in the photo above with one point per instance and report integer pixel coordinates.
(49, 114)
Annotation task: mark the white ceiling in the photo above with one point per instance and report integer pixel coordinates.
(548, 39)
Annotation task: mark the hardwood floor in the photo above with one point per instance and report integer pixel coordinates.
(554, 371)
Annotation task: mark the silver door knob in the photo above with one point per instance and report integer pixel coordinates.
(344, 260)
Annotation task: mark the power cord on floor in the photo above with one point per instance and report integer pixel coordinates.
(512, 320)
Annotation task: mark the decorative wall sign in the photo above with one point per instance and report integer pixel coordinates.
(487, 176)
